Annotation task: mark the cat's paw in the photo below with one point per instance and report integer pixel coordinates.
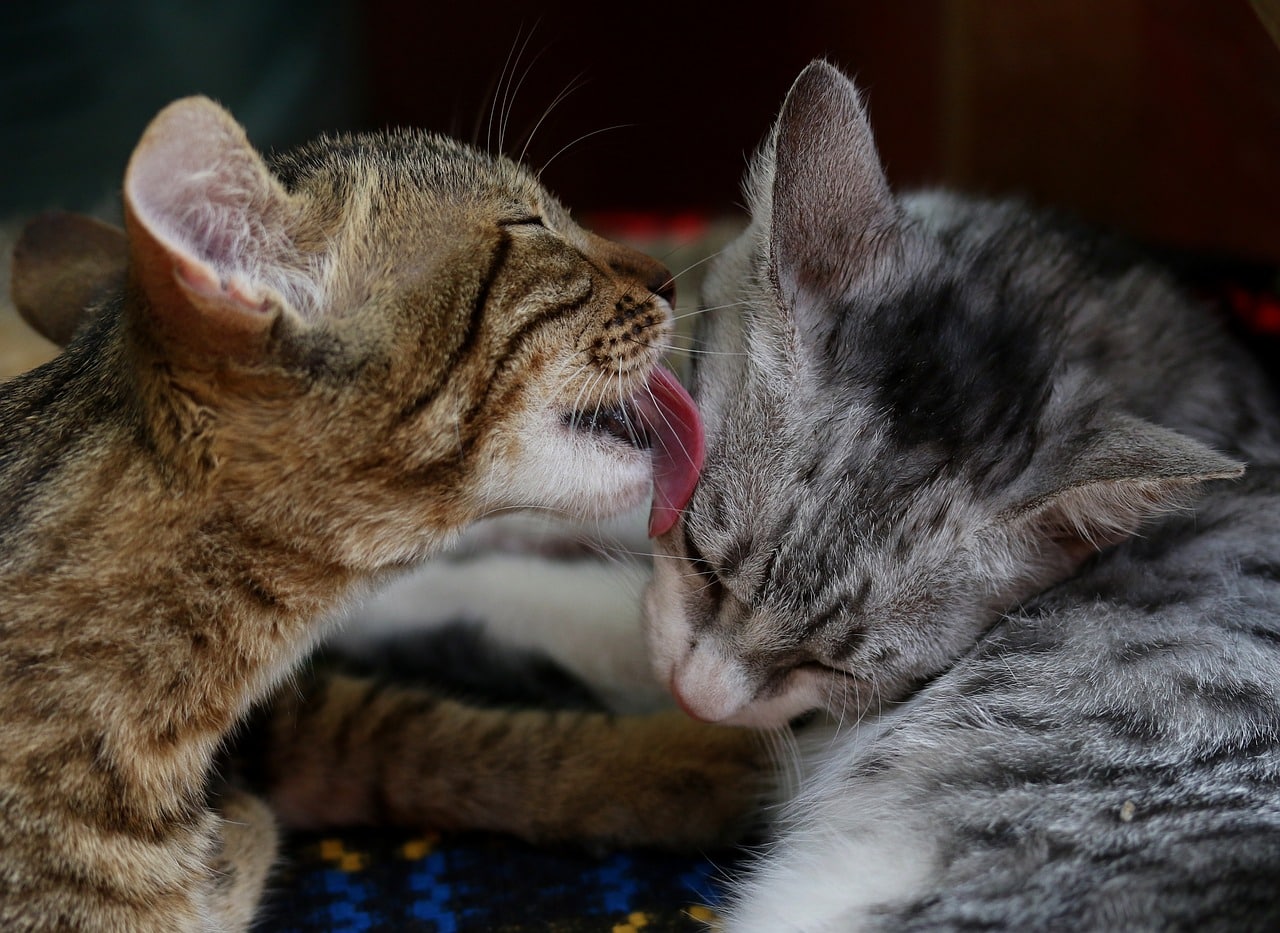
(248, 845)
(670, 782)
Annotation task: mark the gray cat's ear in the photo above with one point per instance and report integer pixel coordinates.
(210, 231)
(831, 207)
(1120, 472)
(63, 265)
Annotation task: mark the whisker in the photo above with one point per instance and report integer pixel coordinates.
(679, 350)
(527, 507)
(615, 552)
(784, 752)
(497, 90)
(514, 92)
(653, 554)
(589, 389)
(690, 267)
(584, 389)
(604, 129)
(621, 550)
(694, 351)
(574, 84)
(697, 311)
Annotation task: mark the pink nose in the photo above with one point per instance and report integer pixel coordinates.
(683, 703)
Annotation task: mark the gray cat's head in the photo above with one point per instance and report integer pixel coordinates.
(899, 445)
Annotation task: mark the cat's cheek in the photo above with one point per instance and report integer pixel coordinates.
(665, 628)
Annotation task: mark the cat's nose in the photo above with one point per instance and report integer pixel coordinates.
(659, 280)
(691, 709)
(643, 269)
(683, 703)
(646, 270)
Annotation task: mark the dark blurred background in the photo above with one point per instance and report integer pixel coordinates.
(1158, 116)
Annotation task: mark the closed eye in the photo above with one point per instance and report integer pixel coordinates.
(820, 667)
(530, 221)
(715, 586)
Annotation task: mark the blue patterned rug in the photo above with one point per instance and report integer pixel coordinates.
(380, 882)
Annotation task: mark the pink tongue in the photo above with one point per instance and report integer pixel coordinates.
(672, 422)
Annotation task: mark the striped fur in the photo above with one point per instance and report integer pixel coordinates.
(315, 374)
(973, 489)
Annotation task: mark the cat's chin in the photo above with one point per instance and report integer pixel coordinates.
(663, 420)
(713, 689)
(774, 713)
(804, 693)
(603, 460)
(582, 471)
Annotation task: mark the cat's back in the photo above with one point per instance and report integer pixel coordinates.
(62, 417)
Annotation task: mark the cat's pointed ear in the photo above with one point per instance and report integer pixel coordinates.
(1118, 473)
(63, 264)
(831, 209)
(210, 231)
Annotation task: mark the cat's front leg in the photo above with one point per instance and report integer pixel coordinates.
(351, 751)
(846, 854)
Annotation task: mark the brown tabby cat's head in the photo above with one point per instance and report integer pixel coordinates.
(373, 340)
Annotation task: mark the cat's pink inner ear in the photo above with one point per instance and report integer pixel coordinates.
(208, 201)
(670, 418)
(203, 284)
(831, 199)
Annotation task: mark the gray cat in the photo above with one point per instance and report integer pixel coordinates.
(976, 486)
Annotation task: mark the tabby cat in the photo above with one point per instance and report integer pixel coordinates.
(1005, 504)
(295, 379)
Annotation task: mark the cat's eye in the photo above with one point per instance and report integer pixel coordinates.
(714, 586)
(529, 221)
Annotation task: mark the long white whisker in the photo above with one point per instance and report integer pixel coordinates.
(570, 145)
(620, 550)
(694, 351)
(586, 389)
(510, 101)
(497, 91)
(697, 311)
(569, 89)
(527, 507)
(693, 265)
(583, 390)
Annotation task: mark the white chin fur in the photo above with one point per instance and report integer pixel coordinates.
(717, 689)
(805, 696)
(665, 628)
(567, 471)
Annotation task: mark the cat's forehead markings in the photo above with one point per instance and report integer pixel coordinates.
(406, 161)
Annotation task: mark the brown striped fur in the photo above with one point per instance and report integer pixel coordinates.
(315, 374)
(349, 750)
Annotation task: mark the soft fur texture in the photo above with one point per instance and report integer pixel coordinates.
(1005, 504)
(532, 587)
(312, 374)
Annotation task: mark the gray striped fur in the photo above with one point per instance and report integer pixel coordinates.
(973, 488)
